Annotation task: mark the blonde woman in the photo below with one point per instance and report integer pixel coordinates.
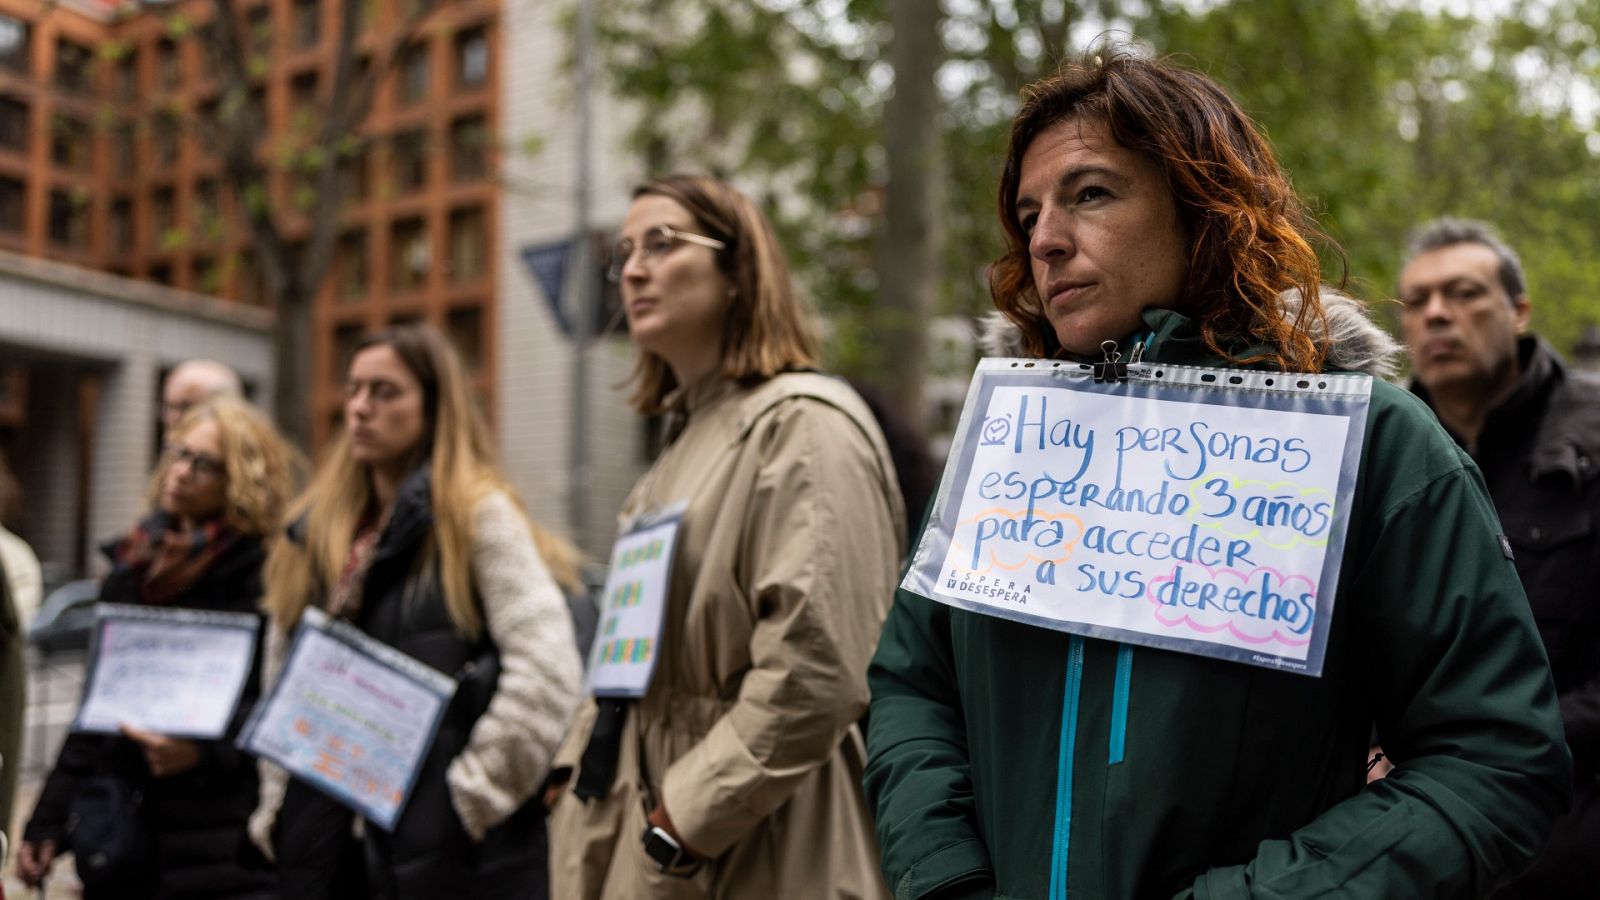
(219, 493)
(410, 532)
(738, 772)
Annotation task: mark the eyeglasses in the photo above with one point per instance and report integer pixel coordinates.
(653, 244)
(199, 463)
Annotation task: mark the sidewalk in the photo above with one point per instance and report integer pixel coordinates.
(54, 684)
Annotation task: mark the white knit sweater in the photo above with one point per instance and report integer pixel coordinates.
(510, 748)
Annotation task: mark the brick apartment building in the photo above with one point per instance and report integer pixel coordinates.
(111, 204)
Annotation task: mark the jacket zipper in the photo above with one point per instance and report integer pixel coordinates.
(1069, 739)
(1119, 703)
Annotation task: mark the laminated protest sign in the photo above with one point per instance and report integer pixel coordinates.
(633, 605)
(1192, 509)
(174, 672)
(350, 716)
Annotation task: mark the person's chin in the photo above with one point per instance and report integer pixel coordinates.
(1450, 376)
(645, 329)
(1072, 339)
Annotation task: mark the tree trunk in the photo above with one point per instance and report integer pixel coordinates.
(292, 363)
(908, 249)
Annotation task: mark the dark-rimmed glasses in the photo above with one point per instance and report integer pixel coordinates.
(199, 463)
(653, 244)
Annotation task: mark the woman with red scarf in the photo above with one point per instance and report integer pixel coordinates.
(220, 491)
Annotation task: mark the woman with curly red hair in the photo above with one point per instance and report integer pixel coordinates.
(1141, 206)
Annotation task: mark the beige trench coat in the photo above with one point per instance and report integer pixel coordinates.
(786, 561)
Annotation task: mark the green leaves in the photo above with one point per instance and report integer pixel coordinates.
(1386, 115)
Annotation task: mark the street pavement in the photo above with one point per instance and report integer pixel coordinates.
(54, 684)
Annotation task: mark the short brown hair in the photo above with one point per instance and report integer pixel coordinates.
(770, 328)
(1250, 237)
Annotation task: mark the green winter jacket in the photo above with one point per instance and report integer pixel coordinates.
(1012, 761)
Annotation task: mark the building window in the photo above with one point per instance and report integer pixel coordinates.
(472, 59)
(345, 339)
(464, 327)
(351, 266)
(72, 66)
(410, 150)
(252, 284)
(13, 124)
(207, 127)
(122, 150)
(257, 104)
(207, 276)
(353, 176)
(307, 24)
(414, 73)
(303, 99)
(69, 221)
(121, 225)
(13, 200)
(14, 34)
(164, 213)
(169, 65)
(258, 30)
(71, 145)
(161, 273)
(409, 255)
(469, 149)
(206, 50)
(127, 86)
(165, 138)
(208, 209)
(469, 244)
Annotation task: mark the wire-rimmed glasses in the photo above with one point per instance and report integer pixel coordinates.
(653, 244)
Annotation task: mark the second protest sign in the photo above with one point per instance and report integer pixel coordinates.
(350, 716)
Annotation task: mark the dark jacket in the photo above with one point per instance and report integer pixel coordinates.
(197, 818)
(1008, 760)
(1540, 456)
(429, 854)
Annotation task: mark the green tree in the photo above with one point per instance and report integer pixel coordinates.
(1384, 114)
(292, 271)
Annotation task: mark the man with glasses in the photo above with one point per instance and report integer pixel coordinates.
(1533, 427)
(193, 382)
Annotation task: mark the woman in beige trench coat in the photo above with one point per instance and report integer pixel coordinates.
(738, 773)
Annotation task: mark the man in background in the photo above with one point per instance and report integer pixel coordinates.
(193, 382)
(1533, 427)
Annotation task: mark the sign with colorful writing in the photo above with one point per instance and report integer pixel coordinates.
(633, 605)
(350, 716)
(174, 672)
(1196, 510)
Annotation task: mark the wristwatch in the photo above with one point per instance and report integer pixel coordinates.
(669, 856)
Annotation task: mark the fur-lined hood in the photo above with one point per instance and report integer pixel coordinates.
(1355, 343)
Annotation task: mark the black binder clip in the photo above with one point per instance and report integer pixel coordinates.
(1113, 369)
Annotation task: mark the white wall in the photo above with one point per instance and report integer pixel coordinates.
(538, 206)
(62, 320)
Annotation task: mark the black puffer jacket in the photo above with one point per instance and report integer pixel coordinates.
(1540, 455)
(197, 819)
(429, 853)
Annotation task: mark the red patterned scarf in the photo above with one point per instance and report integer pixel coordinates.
(167, 561)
